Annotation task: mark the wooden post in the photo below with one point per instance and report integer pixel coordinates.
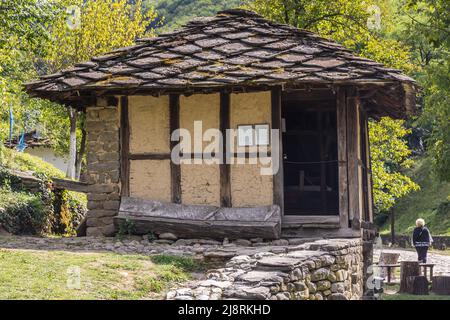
(278, 183)
(417, 285)
(125, 147)
(408, 269)
(175, 170)
(352, 157)
(341, 107)
(369, 172)
(224, 167)
(392, 226)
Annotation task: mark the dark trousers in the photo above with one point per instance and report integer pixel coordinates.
(422, 254)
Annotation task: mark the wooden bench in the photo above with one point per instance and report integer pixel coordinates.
(190, 221)
(424, 266)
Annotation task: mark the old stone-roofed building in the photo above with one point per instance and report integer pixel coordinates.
(230, 71)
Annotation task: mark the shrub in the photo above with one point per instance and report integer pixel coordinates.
(58, 212)
(23, 213)
(126, 228)
(69, 209)
(26, 162)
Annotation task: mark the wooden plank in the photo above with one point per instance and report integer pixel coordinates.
(342, 156)
(149, 156)
(352, 156)
(203, 229)
(362, 178)
(301, 220)
(362, 171)
(319, 232)
(125, 147)
(71, 185)
(201, 220)
(224, 167)
(175, 170)
(369, 172)
(278, 183)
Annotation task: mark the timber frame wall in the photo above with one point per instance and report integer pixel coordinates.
(354, 172)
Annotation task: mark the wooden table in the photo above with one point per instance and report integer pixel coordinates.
(425, 267)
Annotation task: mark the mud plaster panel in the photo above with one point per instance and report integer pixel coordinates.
(149, 124)
(199, 107)
(150, 179)
(250, 188)
(249, 109)
(200, 184)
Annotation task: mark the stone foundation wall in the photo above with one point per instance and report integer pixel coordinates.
(103, 168)
(320, 270)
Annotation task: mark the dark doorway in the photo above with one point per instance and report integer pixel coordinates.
(310, 156)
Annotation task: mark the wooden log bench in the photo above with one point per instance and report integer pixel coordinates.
(388, 258)
(199, 221)
(427, 270)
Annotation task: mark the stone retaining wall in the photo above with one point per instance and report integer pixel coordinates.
(404, 241)
(103, 169)
(320, 270)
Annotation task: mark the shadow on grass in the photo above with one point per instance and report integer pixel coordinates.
(391, 293)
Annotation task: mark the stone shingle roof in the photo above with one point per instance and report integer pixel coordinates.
(233, 48)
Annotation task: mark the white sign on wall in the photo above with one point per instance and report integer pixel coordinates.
(262, 134)
(253, 135)
(245, 136)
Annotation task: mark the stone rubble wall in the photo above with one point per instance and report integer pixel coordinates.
(103, 168)
(320, 270)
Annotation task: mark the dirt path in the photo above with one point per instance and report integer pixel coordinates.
(442, 261)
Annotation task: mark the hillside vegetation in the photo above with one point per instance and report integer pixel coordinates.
(178, 12)
(431, 202)
(21, 161)
(39, 212)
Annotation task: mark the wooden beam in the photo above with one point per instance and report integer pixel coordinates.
(293, 220)
(175, 170)
(149, 156)
(125, 147)
(369, 172)
(352, 156)
(71, 185)
(244, 154)
(202, 221)
(224, 167)
(341, 110)
(278, 183)
(318, 232)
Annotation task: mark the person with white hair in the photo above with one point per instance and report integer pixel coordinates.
(421, 240)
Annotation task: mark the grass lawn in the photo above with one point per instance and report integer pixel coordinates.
(391, 293)
(29, 274)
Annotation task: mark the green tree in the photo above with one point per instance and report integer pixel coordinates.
(23, 35)
(93, 28)
(390, 155)
(357, 24)
(175, 13)
(427, 27)
(27, 21)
